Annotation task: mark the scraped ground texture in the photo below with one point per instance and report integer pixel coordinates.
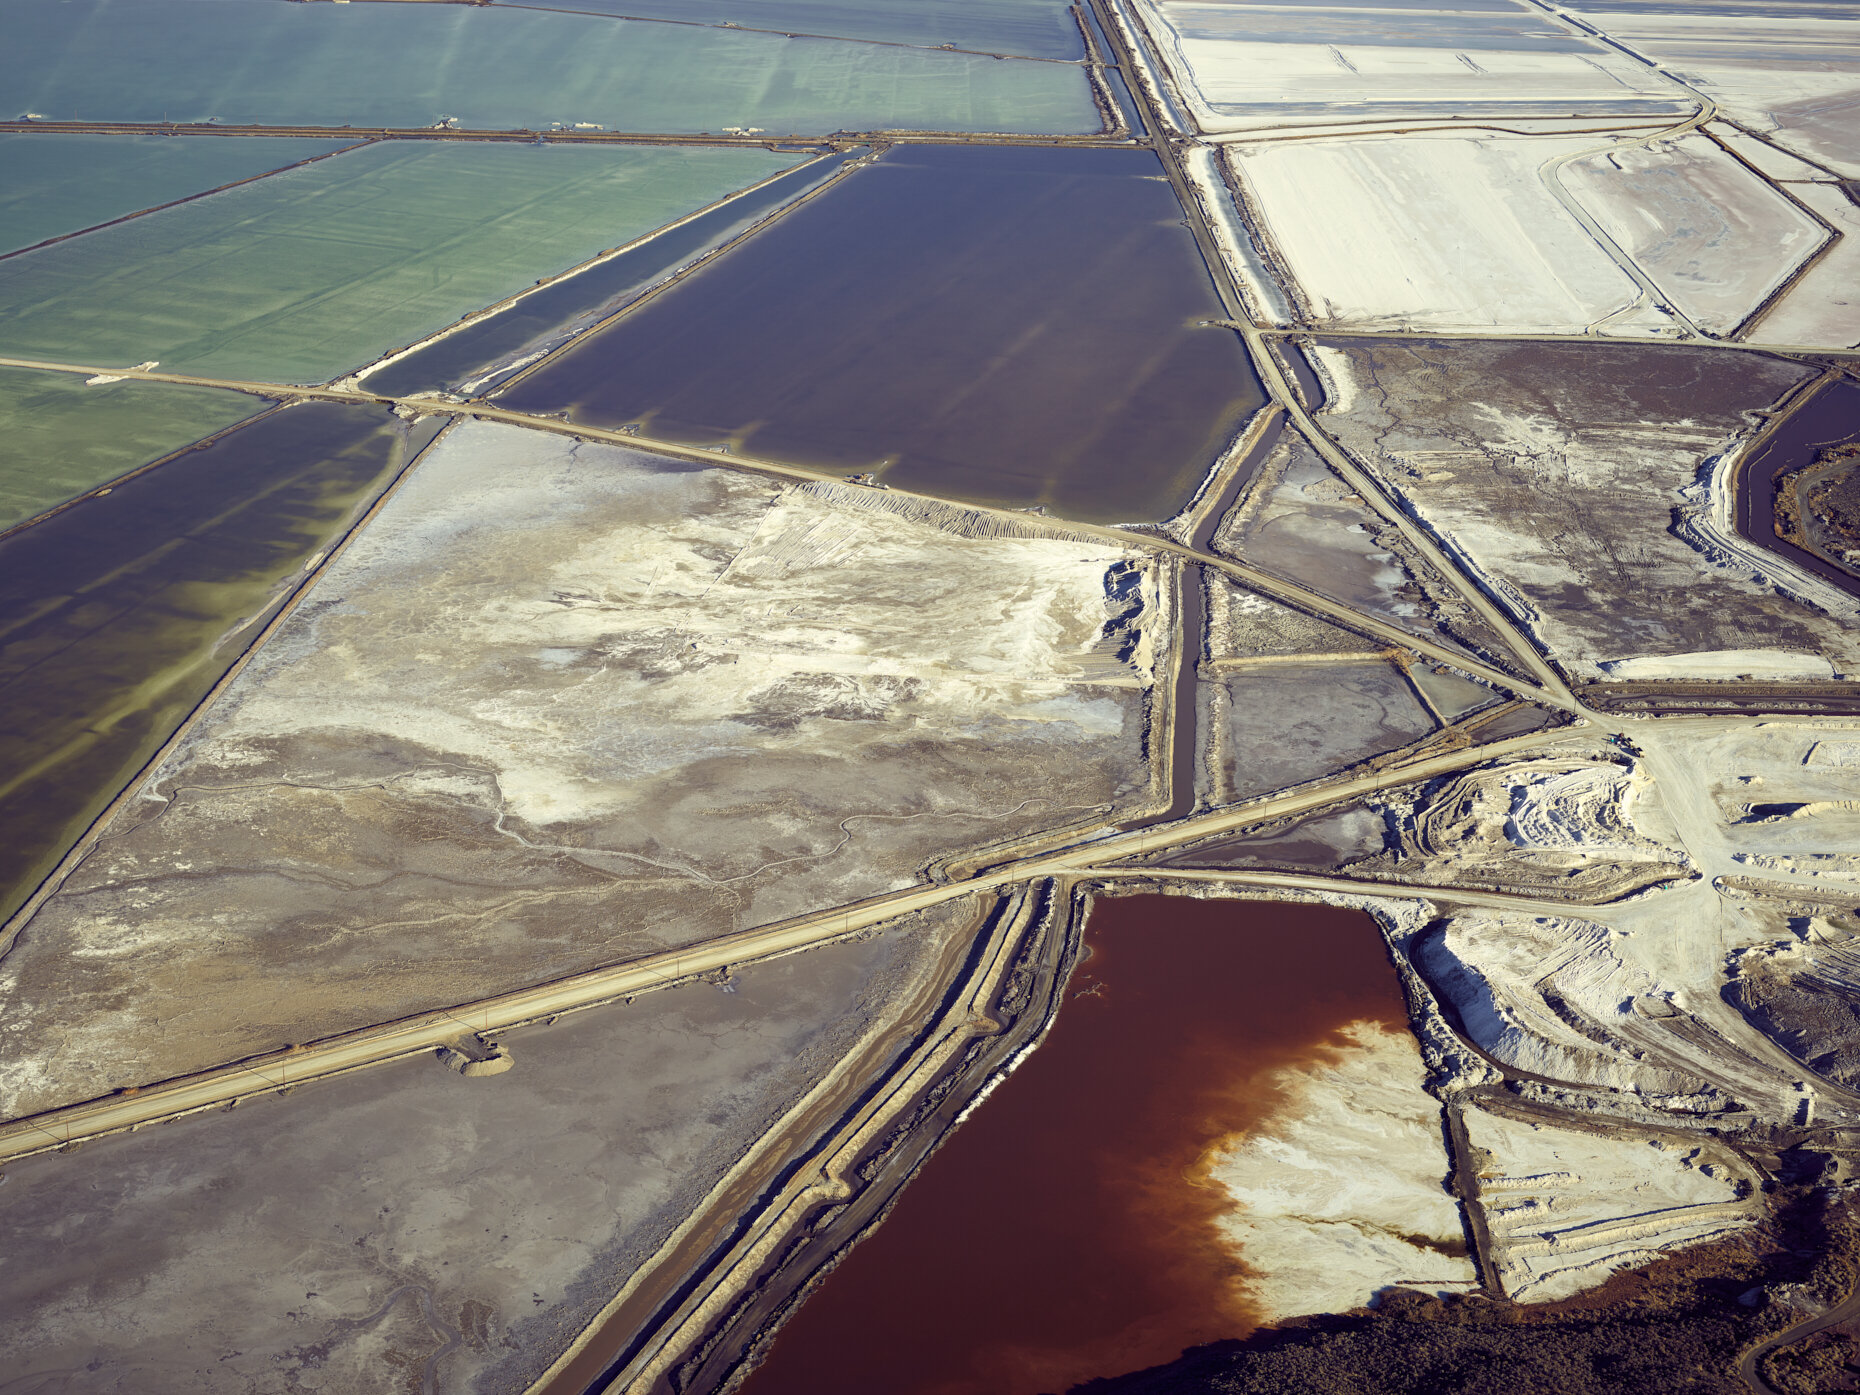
(560, 706)
(408, 1225)
(1713, 236)
(326, 267)
(1566, 1208)
(1271, 727)
(1578, 482)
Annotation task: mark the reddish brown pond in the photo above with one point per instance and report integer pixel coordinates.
(1064, 1232)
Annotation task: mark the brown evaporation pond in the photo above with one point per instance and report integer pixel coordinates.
(120, 613)
(1810, 460)
(1011, 325)
(1065, 1231)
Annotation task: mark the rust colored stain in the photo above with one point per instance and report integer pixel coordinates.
(1066, 1231)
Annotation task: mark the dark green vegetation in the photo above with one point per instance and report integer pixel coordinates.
(122, 612)
(495, 346)
(1678, 1324)
(1013, 326)
(1827, 1362)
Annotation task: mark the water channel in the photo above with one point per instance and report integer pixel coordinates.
(1829, 419)
(1067, 1230)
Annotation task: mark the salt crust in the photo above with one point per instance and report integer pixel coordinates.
(1467, 235)
(1341, 1193)
(1566, 1209)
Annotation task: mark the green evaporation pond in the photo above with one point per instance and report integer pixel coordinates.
(304, 275)
(54, 184)
(499, 67)
(118, 615)
(59, 438)
(1030, 28)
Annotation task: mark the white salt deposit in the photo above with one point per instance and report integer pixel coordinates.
(1342, 1193)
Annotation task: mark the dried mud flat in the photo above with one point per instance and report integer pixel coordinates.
(562, 705)
(409, 1228)
(1582, 483)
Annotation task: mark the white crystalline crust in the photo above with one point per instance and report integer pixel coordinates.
(1566, 1209)
(1722, 663)
(564, 704)
(1823, 307)
(1715, 238)
(1340, 1194)
(1203, 165)
(749, 579)
(1244, 67)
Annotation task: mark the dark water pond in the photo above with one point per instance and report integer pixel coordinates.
(1016, 326)
(117, 615)
(484, 352)
(1066, 1230)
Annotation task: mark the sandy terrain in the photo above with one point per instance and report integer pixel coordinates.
(1630, 996)
(1568, 825)
(559, 706)
(1803, 990)
(1342, 1193)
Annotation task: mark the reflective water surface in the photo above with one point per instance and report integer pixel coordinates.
(479, 355)
(117, 615)
(1017, 326)
(1065, 1231)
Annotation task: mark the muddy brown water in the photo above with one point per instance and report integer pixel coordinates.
(1066, 1231)
(1018, 326)
(1830, 418)
(121, 612)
